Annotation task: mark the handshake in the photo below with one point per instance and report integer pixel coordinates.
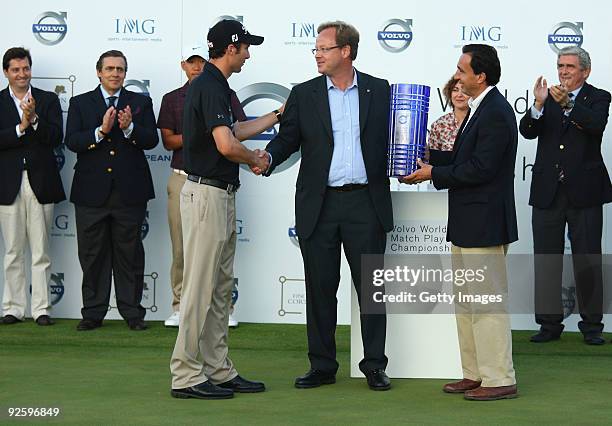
(260, 161)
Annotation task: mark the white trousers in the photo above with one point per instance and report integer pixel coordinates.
(26, 220)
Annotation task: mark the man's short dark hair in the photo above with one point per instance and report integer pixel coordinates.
(346, 35)
(15, 53)
(110, 54)
(219, 53)
(484, 60)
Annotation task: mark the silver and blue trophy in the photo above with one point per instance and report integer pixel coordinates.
(407, 128)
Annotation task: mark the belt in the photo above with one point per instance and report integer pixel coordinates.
(348, 187)
(179, 171)
(229, 187)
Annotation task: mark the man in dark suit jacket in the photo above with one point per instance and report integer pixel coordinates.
(109, 128)
(569, 184)
(481, 222)
(339, 121)
(30, 128)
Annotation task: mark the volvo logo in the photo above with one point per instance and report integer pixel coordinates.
(50, 28)
(238, 18)
(56, 287)
(565, 34)
(141, 85)
(395, 35)
(262, 91)
(293, 236)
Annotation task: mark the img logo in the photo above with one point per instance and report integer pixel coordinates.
(63, 225)
(302, 34)
(134, 26)
(565, 34)
(480, 33)
(50, 28)
(144, 228)
(395, 35)
(258, 99)
(140, 86)
(56, 287)
(241, 231)
(293, 237)
(303, 30)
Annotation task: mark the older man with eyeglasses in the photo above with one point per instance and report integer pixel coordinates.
(339, 121)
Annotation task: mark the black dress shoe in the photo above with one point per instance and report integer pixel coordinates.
(240, 385)
(544, 336)
(10, 319)
(378, 380)
(314, 379)
(137, 324)
(88, 324)
(594, 339)
(204, 390)
(44, 320)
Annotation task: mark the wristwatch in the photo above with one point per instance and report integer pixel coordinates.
(569, 105)
(278, 115)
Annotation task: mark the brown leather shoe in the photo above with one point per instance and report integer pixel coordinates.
(491, 393)
(460, 386)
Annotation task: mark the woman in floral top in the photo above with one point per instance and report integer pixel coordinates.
(444, 130)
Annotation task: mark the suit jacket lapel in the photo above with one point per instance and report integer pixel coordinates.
(99, 103)
(10, 106)
(365, 95)
(124, 99)
(321, 100)
(581, 99)
(467, 125)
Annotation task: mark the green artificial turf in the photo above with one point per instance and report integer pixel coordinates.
(116, 376)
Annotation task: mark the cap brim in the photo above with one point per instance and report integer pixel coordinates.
(193, 56)
(252, 39)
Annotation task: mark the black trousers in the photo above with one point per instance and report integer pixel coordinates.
(584, 231)
(347, 219)
(109, 242)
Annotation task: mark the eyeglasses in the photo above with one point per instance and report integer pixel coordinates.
(324, 49)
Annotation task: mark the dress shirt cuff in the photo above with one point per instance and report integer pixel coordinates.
(128, 132)
(97, 134)
(535, 114)
(19, 134)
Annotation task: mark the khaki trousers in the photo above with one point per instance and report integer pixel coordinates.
(209, 243)
(485, 341)
(175, 185)
(26, 221)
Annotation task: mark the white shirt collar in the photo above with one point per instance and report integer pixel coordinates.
(16, 99)
(474, 103)
(330, 84)
(575, 92)
(106, 95)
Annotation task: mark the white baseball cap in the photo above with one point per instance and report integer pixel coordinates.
(193, 50)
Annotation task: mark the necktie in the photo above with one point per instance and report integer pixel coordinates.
(111, 101)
